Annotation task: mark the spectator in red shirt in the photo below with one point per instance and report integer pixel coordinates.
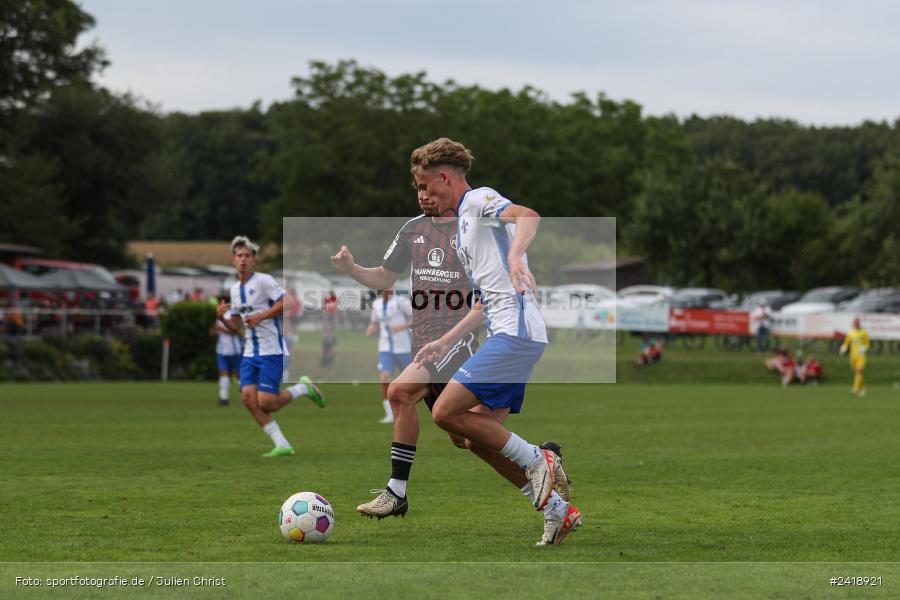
(810, 371)
(783, 364)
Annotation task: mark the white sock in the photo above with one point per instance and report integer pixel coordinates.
(556, 507)
(398, 486)
(298, 390)
(274, 432)
(528, 490)
(519, 451)
(387, 409)
(224, 384)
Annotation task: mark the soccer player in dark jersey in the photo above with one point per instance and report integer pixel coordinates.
(441, 296)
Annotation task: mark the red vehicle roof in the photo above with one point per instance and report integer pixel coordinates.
(58, 264)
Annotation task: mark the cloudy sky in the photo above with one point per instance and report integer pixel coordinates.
(823, 62)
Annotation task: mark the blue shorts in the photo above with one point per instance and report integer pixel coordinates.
(263, 371)
(388, 361)
(499, 371)
(228, 363)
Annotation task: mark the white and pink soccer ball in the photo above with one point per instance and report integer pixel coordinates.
(306, 517)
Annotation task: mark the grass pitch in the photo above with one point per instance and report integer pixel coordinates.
(676, 474)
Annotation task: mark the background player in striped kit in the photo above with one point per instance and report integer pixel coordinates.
(257, 302)
(391, 318)
(229, 348)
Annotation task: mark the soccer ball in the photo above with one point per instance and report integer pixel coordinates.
(306, 517)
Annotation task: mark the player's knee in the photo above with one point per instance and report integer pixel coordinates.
(267, 402)
(442, 418)
(248, 396)
(400, 394)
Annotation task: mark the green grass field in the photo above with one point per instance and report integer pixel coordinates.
(687, 490)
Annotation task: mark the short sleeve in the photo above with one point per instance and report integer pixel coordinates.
(272, 289)
(234, 302)
(492, 205)
(398, 255)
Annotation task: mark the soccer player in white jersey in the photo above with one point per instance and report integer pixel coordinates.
(493, 235)
(229, 348)
(257, 301)
(391, 317)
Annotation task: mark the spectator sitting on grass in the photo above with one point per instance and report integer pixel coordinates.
(810, 371)
(649, 353)
(783, 364)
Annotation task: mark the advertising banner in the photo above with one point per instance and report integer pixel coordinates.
(720, 322)
(830, 325)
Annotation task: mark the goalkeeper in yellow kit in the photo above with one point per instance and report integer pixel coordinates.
(858, 343)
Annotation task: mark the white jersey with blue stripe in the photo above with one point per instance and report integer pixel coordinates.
(257, 295)
(228, 344)
(396, 311)
(483, 245)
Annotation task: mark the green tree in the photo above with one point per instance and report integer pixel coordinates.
(106, 148)
(867, 237)
(32, 205)
(688, 227)
(38, 54)
(215, 160)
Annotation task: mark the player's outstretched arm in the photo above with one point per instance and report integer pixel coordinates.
(374, 278)
(526, 221)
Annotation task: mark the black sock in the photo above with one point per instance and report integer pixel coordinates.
(402, 456)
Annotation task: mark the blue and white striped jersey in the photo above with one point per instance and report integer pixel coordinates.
(257, 295)
(483, 245)
(396, 311)
(228, 344)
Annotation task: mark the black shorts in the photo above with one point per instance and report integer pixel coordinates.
(442, 371)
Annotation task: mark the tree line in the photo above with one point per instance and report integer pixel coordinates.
(712, 201)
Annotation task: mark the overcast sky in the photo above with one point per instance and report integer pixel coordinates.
(821, 62)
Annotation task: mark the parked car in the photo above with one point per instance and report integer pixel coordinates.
(642, 295)
(820, 300)
(587, 291)
(877, 300)
(774, 299)
(701, 298)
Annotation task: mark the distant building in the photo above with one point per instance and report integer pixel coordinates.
(182, 253)
(614, 273)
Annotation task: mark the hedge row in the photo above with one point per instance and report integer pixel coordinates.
(131, 355)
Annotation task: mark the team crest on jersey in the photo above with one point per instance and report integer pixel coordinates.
(252, 291)
(464, 226)
(436, 257)
(453, 243)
